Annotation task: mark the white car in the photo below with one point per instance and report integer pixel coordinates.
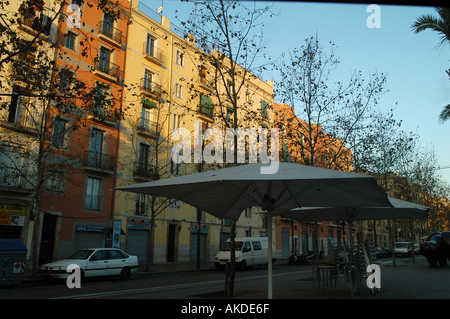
(93, 262)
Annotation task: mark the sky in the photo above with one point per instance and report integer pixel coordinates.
(417, 84)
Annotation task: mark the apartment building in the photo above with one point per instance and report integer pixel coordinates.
(25, 75)
(308, 145)
(170, 86)
(60, 127)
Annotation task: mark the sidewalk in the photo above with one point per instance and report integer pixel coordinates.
(407, 280)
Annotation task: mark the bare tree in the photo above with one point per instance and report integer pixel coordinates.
(229, 36)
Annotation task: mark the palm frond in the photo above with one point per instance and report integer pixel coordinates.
(445, 114)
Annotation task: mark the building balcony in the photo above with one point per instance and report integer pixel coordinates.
(110, 34)
(153, 54)
(97, 162)
(15, 179)
(22, 119)
(146, 127)
(151, 88)
(34, 21)
(108, 70)
(144, 172)
(102, 113)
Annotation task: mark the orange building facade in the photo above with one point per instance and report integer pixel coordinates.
(90, 64)
(307, 144)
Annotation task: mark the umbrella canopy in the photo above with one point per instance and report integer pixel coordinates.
(225, 193)
(399, 210)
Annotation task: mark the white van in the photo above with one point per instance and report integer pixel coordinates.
(403, 248)
(249, 251)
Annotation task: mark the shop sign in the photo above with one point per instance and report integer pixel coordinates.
(90, 228)
(139, 225)
(12, 220)
(203, 230)
(12, 209)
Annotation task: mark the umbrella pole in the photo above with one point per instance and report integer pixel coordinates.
(269, 255)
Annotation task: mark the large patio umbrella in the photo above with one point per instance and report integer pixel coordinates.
(225, 193)
(399, 210)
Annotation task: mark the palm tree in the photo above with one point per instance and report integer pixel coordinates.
(441, 25)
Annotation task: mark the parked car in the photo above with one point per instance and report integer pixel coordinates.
(387, 252)
(403, 248)
(416, 249)
(379, 252)
(93, 262)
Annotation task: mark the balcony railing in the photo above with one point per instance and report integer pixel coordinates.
(111, 32)
(31, 23)
(144, 171)
(147, 127)
(152, 53)
(14, 177)
(111, 70)
(96, 160)
(150, 87)
(24, 117)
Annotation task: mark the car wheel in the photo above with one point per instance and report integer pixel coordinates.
(125, 273)
(243, 265)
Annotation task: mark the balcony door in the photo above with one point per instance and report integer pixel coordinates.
(11, 166)
(105, 58)
(95, 154)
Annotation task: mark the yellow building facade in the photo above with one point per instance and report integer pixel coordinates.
(170, 85)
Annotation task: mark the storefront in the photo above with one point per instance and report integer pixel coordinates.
(12, 219)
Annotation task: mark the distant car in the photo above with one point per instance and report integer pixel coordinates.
(403, 248)
(379, 252)
(416, 249)
(93, 262)
(387, 252)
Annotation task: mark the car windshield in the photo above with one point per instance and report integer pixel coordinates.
(227, 246)
(400, 245)
(82, 254)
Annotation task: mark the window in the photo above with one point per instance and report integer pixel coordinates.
(142, 204)
(204, 75)
(92, 196)
(70, 41)
(55, 181)
(65, 80)
(59, 132)
(144, 157)
(178, 90)
(180, 58)
(96, 157)
(264, 109)
(104, 60)
(108, 25)
(150, 45)
(174, 203)
(11, 165)
(256, 245)
(247, 97)
(176, 121)
(102, 100)
(149, 81)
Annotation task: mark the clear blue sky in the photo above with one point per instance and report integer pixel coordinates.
(415, 69)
